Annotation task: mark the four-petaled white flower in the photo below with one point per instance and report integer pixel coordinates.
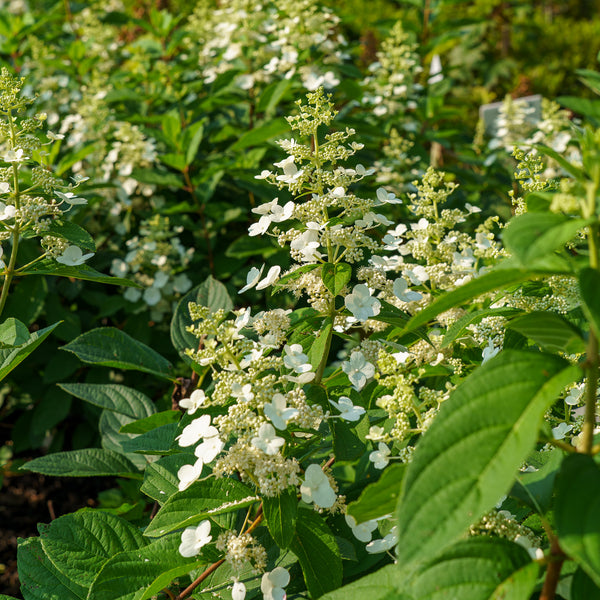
(348, 411)
(70, 198)
(72, 256)
(561, 430)
(317, 488)
(358, 370)
(267, 440)
(273, 582)
(242, 392)
(187, 474)
(295, 359)
(208, 450)
(238, 591)
(199, 428)
(7, 211)
(277, 412)
(252, 278)
(308, 242)
(402, 292)
(14, 156)
(388, 542)
(4, 187)
(271, 212)
(194, 402)
(270, 279)
(361, 304)
(193, 538)
(380, 457)
(363, 531)
(387, 197)
(290, 170)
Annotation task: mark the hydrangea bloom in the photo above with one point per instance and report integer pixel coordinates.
(402, 292)
(194, 538)
(361, 304)
(348, 411)
(385, 544)
(380, 457)
(278, 413)
(194, 402)
(196, 430)
(266, 440)
(317, 488)
(363, 531)
(295, 359)
(273, 582)
(188, 474)
(358, 370)
(72, 256)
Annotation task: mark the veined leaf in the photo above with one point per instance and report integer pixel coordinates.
(281, 513)
(336, 277)
(112, 347)
(13, 333)
(160, 477)
(152, 422)
(470, 455)
(200, 501)
(73, 234)
(389, 583)
(84, 272)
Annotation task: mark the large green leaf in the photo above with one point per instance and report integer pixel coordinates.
(13, 333)
(210, 293)
(551, 331)
(471, 453)
(379, 498)
(318, 553)
(336, 277)
(577, 512)
(114, 397)
(201, 500)
(13, 357)
(73, 234)
(583, 586)
(40, 579)
(156, 441)
(478, 569)
(160, 477)
(389, 583)
(51, 267)
(142, 573)
(152, 422)
(589, 290)
(112, 347)
(80, 543)
(272, 128)
(531, 236)
(281, 513)
(86, 462)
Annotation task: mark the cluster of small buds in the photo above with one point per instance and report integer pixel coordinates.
(242, 552)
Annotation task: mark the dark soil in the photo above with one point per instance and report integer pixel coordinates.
(28, 499)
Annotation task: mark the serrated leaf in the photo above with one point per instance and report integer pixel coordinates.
(281, 513)
(532, 236)
(336, 277)
(51, 267)
(589, 290)
(112, 347)
(200, 501)
(160, 477)
(152, 422)
(318, 553)
(484, 431)
(210, 293)
(112, 396)
(143, 573)
(379, 498)
(155, 441)
(13, 333)
(478, 569)
(74, 234)
(388, 583)
(80, 543)
(40, 579)
(12, 357)
(86, 462)
(108, 427)
(577, 512)
(551, 331)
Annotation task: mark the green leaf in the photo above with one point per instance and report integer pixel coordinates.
(156, 441)
(336, 277)
(201, 500)
(246, 246)
(5, 597)
(80, 543)
(589, 290)
(51, 267)
(152, 422)
(272, 95)
(160, 477)
(112, 347)
(210, 293)
(551, 331)
(494, 280)
(459, 327)
(73, 234)
(532, 236)
(388, 583)
(86, 462)
(192, 136)
(13, 333)
(583, 586)
(320, 346)
(347, 444)
(140, 574)
(40, 579)
(478, 569)
(565, 164)
(318, 553)
(379, 498)
(281, 513)
(484, 432)
(272, 128)
(577, 512)
(113, 396)
(12, 357)
(70, 159)
(156, 177)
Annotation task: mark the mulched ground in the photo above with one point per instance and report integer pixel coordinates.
(29, 499)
